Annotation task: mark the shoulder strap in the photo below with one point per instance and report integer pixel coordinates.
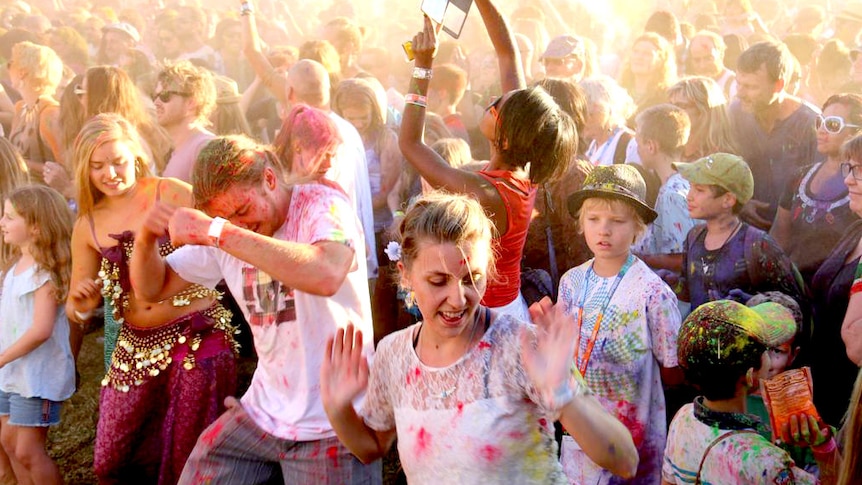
(93, 230)
(622, 145)
(159, 190)
(709, 448)
(693, 235)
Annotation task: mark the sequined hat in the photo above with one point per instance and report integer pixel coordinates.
(725, 333)
(619, 181)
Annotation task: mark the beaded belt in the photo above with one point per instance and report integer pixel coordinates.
(143, 353)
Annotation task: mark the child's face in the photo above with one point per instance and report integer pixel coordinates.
(776, 360)
(703, 204)
(610, 227)
(14, 227)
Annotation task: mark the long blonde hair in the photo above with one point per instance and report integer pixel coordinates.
(45, 209)
(850, 472)
(711, 133)
(101, 129)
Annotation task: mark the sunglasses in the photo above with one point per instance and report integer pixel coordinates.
(848, 168)
(832, 124)
(494, 107)
(166, 96)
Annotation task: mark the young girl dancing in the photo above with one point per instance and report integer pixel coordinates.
(37, 371)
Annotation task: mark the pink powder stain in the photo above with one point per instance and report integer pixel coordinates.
(516, 435)
(210, 435)
(543, 422)
(423, 441)
(332, 454)
(627, 414)
(460, 406)
(411, 376)
(484, 345)
(284, 382)
(490, 453)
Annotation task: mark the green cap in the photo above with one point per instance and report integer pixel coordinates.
(727, 171)
(721, 333)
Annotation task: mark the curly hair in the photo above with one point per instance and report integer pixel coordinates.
(194, 82)
(46, 209)
(42, 66)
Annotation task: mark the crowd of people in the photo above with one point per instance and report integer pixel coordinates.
(569, 246)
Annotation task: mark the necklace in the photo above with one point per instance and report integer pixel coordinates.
(816, 205)
(588, 352)
(451, 390)
(707, 260)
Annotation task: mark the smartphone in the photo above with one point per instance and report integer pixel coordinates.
(451, 14)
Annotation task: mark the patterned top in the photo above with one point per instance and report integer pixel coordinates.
(743, 458)
(637, 335)
(476, 421)
(666, 235)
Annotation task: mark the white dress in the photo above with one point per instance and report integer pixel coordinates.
(476, 421)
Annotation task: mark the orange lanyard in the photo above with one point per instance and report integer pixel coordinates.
(591, 343)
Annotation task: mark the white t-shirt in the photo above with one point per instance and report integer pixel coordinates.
(350, 170)
(744, 458)
(638, 333)
(48, 371)
(290, 327)
(476, 421)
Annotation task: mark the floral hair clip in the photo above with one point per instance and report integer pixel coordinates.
(393, 251)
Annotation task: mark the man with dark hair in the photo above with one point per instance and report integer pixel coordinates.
(712, 440)
(773, 129)
(184, 98)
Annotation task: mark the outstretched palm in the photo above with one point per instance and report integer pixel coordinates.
(344, 371)
(549, 361)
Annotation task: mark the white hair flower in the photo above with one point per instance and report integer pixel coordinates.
(393, 250)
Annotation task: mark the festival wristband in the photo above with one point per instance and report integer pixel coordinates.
(215, 229)
(825, 448)
(857, 286)
(422, 73)
(416, 99)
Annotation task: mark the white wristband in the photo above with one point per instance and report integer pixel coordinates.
(215, 229)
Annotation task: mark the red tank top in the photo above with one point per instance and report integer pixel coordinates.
(518, 196)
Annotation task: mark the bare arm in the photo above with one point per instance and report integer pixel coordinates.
(274, 82)
(508, 56)
(343, 376)
(84, 295)
(45, 308)
(426, 161)
(851, 329)
(780, 230)
(672, 262)
(602, 437)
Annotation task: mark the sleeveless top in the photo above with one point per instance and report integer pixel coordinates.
(382, 216)
(518, 197)
(26, 135)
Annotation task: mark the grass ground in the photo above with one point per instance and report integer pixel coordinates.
(71, 443)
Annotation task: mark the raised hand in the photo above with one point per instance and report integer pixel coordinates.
(549, 362)
(189, 226)
(425, 44)
(156, 222)
(344, 371)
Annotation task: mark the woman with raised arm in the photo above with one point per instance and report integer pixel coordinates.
(531, 138)
(482, 388)
(173, 364)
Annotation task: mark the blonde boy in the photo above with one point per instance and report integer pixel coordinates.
(627, 320)
(662, 132)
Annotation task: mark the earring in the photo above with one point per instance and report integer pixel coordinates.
(409, 298)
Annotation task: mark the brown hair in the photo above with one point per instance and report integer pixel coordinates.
(194, 82)
(227, 161)
(667, 125)
(46, 211)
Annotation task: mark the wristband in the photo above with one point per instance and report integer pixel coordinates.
(83, 316)
(215, 229)
(416, 99)
(825, 448)
(246, 9)
(422, 73)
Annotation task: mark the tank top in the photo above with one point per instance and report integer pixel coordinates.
(518, 197)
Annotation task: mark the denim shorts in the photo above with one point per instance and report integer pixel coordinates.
(30, 412)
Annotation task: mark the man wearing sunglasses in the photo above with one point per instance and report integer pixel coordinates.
(184, 98)
(564, 58)
(773, 129)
